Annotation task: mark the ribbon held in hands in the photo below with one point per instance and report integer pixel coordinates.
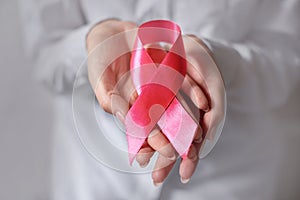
(157, 79)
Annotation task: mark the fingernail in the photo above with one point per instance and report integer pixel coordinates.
(194, 158)
(184, 181)
(196, 101)
(198, 140)
(143, 165)
(168, 152)
(135, 95)
(192, 155)
(120, 116)
(154, 132)
(172, 157)
(206, 109)
(157, 184)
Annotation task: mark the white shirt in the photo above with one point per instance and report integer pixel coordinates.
(256, 47)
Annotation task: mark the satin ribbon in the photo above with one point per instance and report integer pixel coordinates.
(157, 85)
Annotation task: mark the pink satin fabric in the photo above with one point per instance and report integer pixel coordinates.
(157, 85)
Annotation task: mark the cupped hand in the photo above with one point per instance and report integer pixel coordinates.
(157, 140)
(204, 85)
(115, 92)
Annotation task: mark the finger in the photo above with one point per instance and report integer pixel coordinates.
(144, 155)
(115, 91)
(196, 93)
(123, 80)
(105, 88)
(188, 165)
(162, 168)
(119, 107)
(209, 126)
(158, 141)
(126, 88)
(205, 122)
(196, 73)
(109, 97)
(198, 135)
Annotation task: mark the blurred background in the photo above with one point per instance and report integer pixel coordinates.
(25, 116)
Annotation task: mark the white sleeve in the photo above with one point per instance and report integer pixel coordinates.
(55, 40)
(261, 72)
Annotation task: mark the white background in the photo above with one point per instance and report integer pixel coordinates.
(25, 117)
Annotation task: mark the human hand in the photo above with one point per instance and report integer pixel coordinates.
(116, 93)
(204, 85)
(195, 89)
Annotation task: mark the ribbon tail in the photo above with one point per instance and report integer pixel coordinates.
(179, 127)
(134, 145)
(136, 136)
(144, 115)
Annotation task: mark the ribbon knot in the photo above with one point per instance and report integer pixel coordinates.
(157, 79)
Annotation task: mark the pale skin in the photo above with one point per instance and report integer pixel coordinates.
(116, 98)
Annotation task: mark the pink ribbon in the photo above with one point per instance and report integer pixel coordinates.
(157, 85)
